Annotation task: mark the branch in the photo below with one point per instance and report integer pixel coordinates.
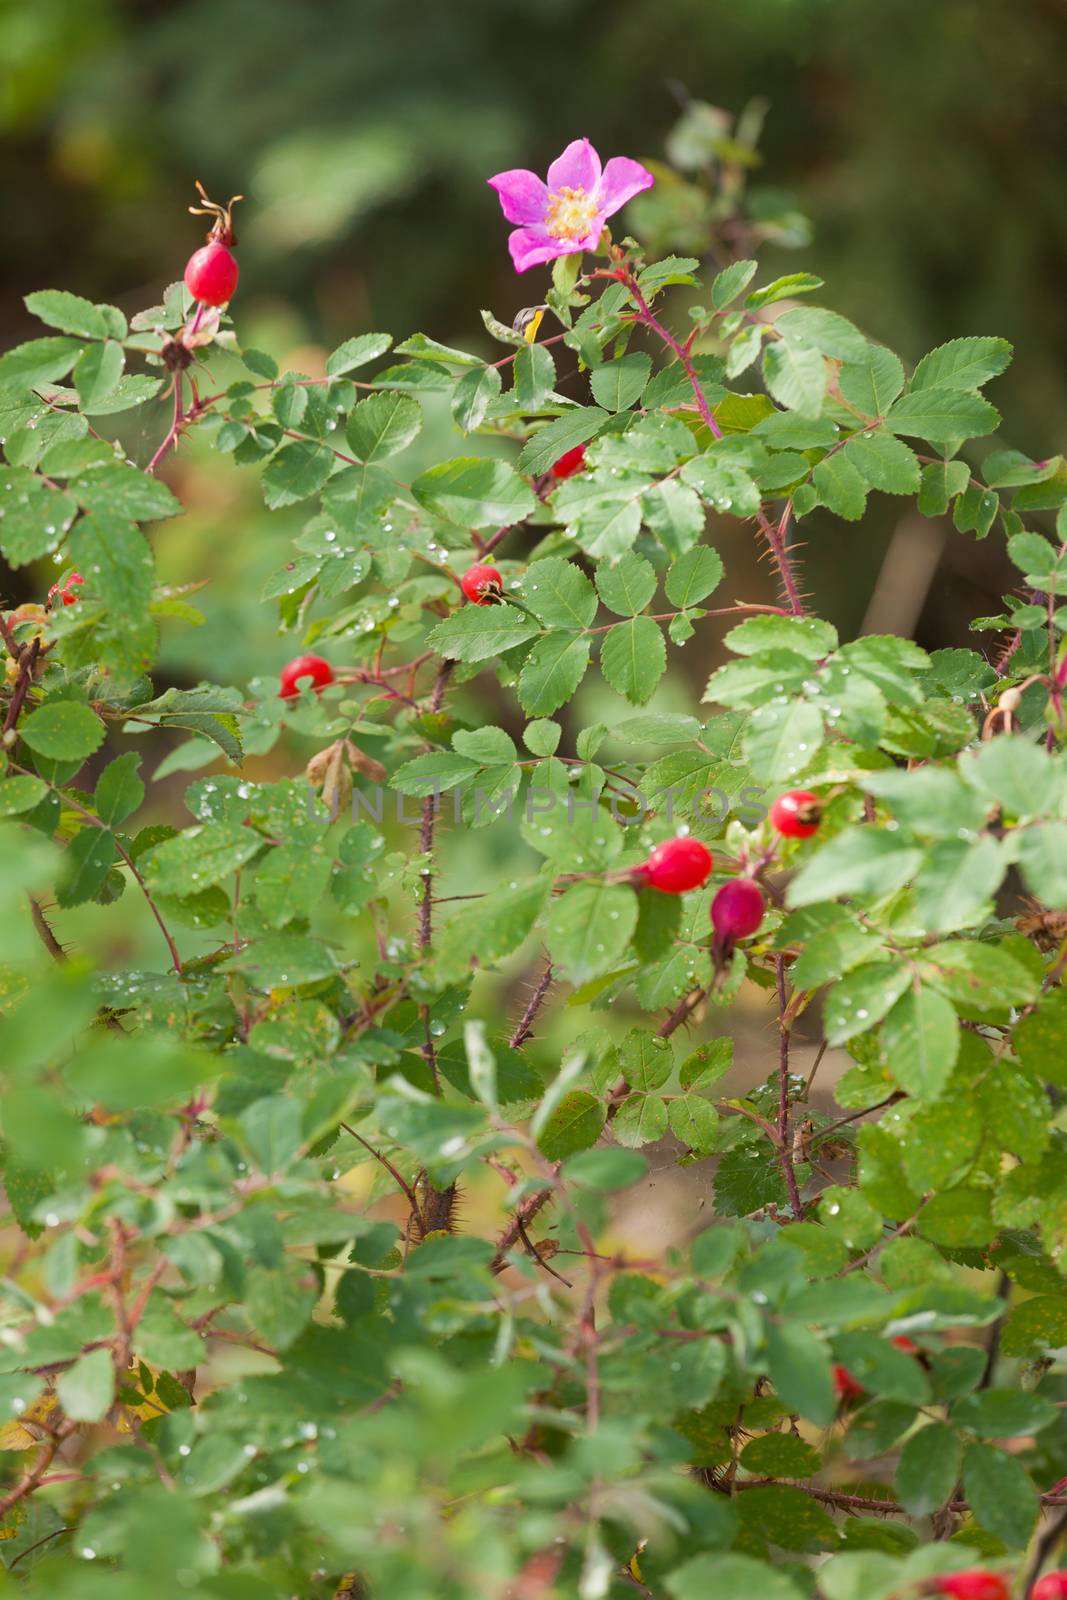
(785, 1150)
(646, 318)
(775, 536)
(525, 1027)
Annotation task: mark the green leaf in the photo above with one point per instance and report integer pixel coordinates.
(495, 925)
(693, 576)
(922, 1040)
(589, 928)
(280, 1299)
(962, 364)
(298, 470)
(783, 1455)
(126, 493)
(938, 414)
(475, 492)
(884, 462)
(201, 856)
(798, 1364)
(559, 593)
(641, 1119)
(63, 730)
(795, 374)
(782, 740)
(291, 882)
(805, 636)
(694, 1121)
(472, 396)
(860, 861)
(619, 384)
(474, 633)
(117, 561)
(841, 487)
(549, 443)
(862, 999)
(1001, 1495)
(728, 284)
(552, 672)
(574, 1125)
(20, 794)
(41, 361)
(605, 1170)
(35, 518)
(1004, 1413)
(88, 860)
(628, 586)
(928, 1469)
(433, 773)
(871, 385)
(384, 424)
(1015, 773)
(633, 658)
(730, 1577)
(783, 288)
(86, 1390)
(119, 789)
(71, 314)
(98, 370)
(1042, 856)
(534, 377)
(356, 353)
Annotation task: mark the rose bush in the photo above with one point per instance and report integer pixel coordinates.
(253, 1342)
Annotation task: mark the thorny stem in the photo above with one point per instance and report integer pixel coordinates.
(170, 439)
(785, 1151)
(426, 839)
(775, 535)
(30, 1482)
(125, 856)
(526, 1022)
(646, 317)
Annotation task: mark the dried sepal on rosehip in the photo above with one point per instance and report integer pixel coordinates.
(212, 272)
(482, 584)
(796, 814)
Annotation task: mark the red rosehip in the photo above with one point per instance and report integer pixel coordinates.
(314, 667)
(676, 865)
(1053, 1586)
(212, 273)
(482, 584)
(796, 815)
(65, 590)
(737, 909)
(570, 462)
(975, 1584)
(847, 1386)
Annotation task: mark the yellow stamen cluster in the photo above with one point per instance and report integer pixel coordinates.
(570, 214)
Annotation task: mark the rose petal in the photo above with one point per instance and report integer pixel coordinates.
(577, 168)
(622, 179)
(523, 195)
(530, 246)
(592, 238)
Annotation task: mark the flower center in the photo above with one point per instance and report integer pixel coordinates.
(570, 214)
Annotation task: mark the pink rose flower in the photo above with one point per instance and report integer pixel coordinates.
(566, 214)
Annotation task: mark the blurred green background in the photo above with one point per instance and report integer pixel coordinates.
(925, 143)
